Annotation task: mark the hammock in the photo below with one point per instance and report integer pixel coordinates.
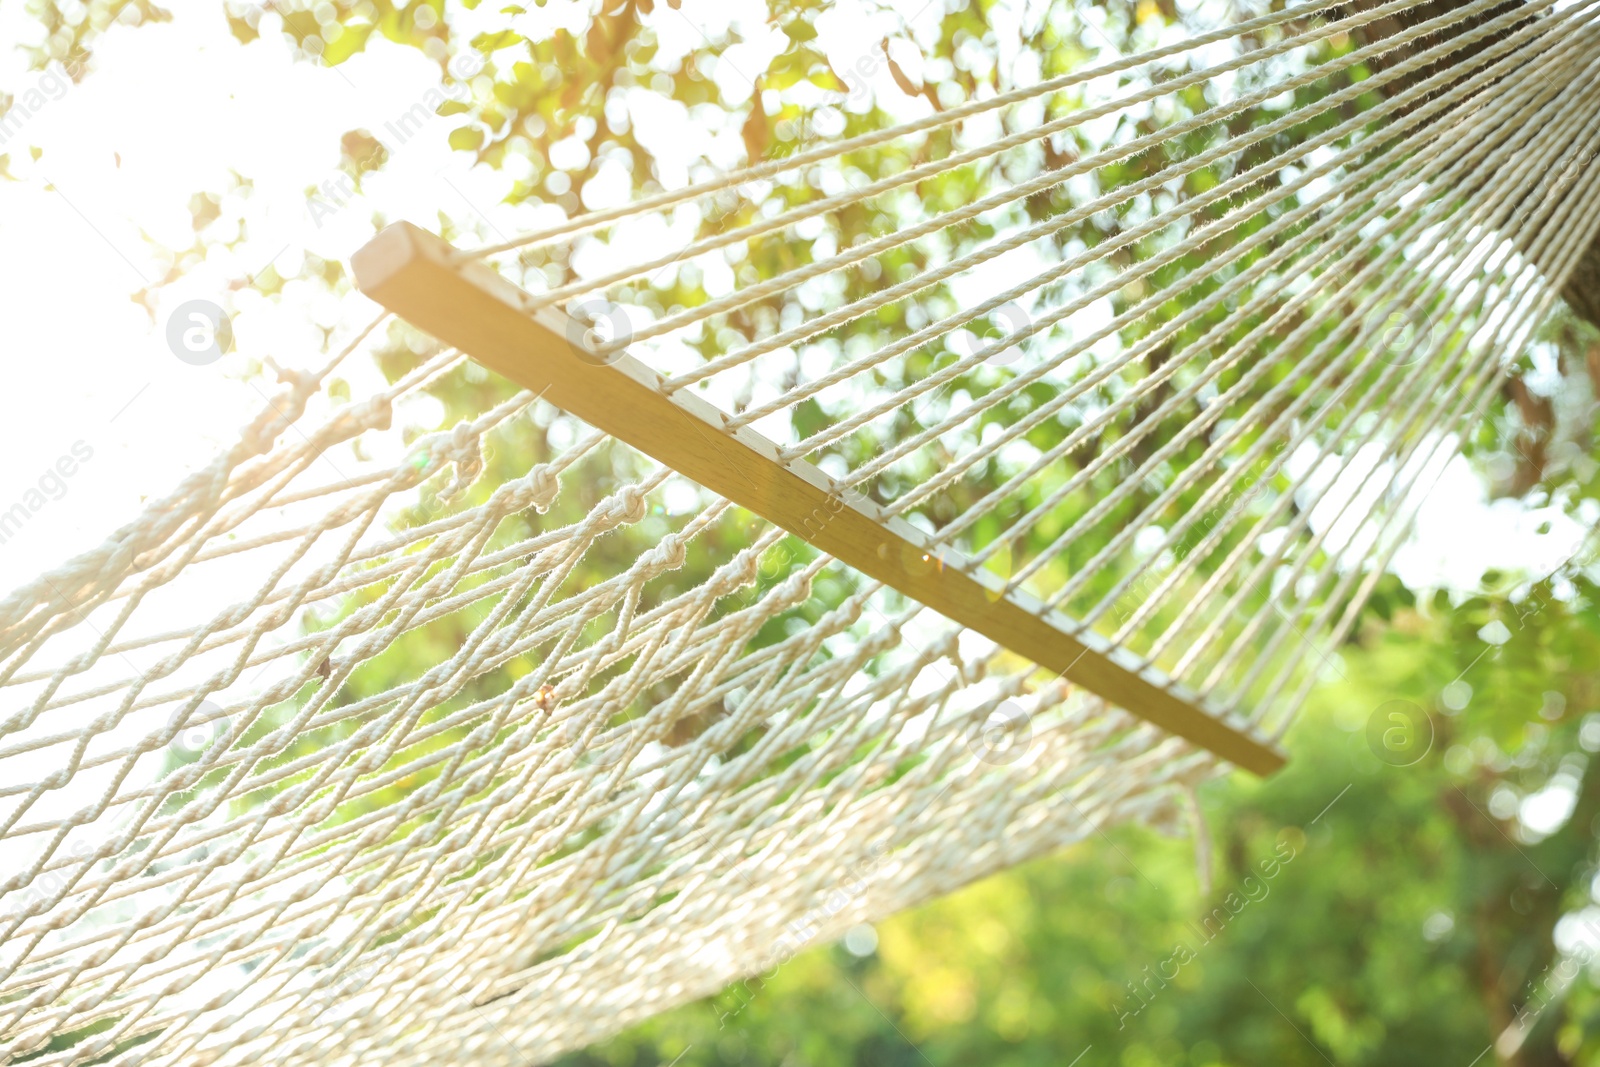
(715, 629)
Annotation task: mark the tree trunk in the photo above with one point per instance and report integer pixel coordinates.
(1582, 291)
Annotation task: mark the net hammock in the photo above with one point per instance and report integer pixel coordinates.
(479, 745)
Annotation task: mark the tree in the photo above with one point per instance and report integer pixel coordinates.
(1463, 940)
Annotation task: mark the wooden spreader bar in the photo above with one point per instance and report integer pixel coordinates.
(419, 277)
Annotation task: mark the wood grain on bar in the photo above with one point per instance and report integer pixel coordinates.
(466, 304)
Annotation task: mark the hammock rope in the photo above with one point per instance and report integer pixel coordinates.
(481, 744)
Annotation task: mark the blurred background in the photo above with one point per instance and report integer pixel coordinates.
(1418, 886)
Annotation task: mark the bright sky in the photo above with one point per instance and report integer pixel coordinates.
(171, 109)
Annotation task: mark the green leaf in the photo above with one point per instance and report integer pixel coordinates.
(799, 30)
(493, 42)
(824, 78)
(347, 44)
(466, 138)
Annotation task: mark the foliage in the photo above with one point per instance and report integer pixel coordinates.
(1412, 912)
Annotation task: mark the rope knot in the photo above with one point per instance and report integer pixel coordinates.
(541, 486)
(845, 614)
(262, 432)
(302, 382)
(464, 449)
(624, 507)
(376, 412)
(794, 591)
(668, 555)
(741, 571)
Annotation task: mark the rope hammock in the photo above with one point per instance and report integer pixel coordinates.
(935, 539)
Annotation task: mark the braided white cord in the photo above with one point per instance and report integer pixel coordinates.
(890, 404)
(734, 179)
(1239, 284)
(1463, 157)
(783, 220)
(1581, 140)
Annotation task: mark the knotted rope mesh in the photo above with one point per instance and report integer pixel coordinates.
(478, 745)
